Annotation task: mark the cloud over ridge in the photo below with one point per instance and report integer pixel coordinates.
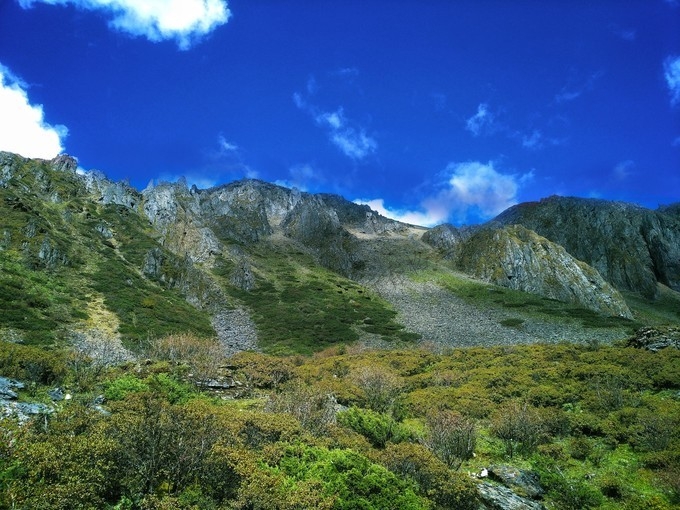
(23, 129)
(471, 191)
(185, 21)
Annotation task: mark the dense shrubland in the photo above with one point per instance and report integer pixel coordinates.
(344, 429)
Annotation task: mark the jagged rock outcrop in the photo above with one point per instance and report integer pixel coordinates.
(110, 192)
(633, 248)
(318, 227)
(448, 239)
(517, 258)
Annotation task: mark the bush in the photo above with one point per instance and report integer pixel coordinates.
(376, 427)
(120, 388)
(381, 388)
(349, 478)
(519, 426)
(445, 488)
(314, 408)
(452, 437)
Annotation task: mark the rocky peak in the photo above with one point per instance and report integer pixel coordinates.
(633, 248)
(110, 192)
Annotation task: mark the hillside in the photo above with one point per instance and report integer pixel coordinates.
(251, 346)
(88, 260)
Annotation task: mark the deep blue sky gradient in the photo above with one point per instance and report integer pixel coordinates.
(575, 95)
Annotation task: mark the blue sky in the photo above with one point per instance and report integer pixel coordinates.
(430, 110)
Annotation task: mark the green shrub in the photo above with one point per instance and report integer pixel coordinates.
(350, 478)
(120, 388)
(376, 427)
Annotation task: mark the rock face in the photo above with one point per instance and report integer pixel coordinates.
(517, 258)
(633, 248)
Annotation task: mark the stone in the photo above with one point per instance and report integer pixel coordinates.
(7, 387)
(526, 482)
(56, 394)
(655, 339)
(518, 258)
(498, 497)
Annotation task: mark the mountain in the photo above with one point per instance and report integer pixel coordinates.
(103, 266)
(633, 248)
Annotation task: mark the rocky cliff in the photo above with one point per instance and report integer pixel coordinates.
(518, 258)
(633, 248)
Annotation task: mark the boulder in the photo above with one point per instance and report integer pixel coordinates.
(498, 497)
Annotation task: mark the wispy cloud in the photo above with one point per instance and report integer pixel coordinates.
(23, 129)
(671, 69)
(185, 21)
(627, 34)
(482, 122)
(470, 191)
(623, 170)
(226, 146)
(303, 177)
(536, 140)
(575, 89)
(351, 139)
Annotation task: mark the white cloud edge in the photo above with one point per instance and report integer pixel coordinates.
(185, 21)
(23, 129)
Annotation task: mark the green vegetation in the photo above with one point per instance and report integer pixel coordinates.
(598, 427)
(54, 257)
(299, 307)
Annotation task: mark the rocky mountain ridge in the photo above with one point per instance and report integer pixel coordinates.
(229, 249)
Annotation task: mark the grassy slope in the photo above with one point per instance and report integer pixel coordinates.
(41, 301)
(300, 307)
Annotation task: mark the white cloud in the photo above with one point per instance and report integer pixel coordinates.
(425, 218)
(182, 20)
(671, 68)
(481, 122)
(334, 120)
(23, 129)
(472, 191)
(480, 186)
(301, 177)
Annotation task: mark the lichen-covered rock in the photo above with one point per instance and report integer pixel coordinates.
(498, 497)
(655, 339)
(526, 482)
(633, 248)
(517, 258)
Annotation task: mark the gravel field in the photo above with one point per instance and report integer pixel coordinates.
(445, 320)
